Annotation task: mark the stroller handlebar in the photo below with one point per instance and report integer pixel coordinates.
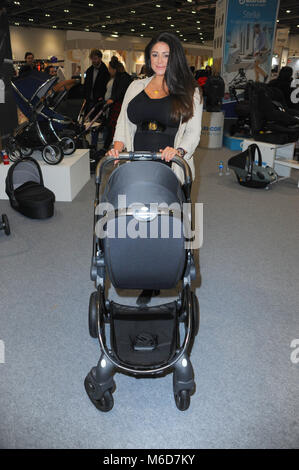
(144, 156)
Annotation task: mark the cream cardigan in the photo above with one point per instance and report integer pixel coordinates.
(187, 136)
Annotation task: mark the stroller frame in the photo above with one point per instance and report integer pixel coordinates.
(99, 383)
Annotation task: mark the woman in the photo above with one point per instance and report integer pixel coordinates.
(162, 112)
(116, 89)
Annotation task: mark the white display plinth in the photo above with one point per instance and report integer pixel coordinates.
(212, 130)
(272, 154)
(65, 179)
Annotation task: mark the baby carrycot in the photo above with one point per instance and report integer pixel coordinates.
(26, 191)
(144, 194)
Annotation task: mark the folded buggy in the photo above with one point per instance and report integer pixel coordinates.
(144, 341)
(45, 128)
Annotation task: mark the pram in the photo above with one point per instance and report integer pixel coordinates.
(43, 129)
(144, 340)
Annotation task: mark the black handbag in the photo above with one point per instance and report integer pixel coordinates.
(248, 173)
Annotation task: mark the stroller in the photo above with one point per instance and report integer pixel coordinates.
(145, 341)
(45, 128)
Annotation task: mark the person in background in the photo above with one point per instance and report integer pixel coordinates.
(96, 79)
(283, 83)
(51, 70)
(29, 65)
(192, 70)
(120, 82)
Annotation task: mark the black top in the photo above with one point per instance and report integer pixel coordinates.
(121, 82)
(142, 110)
(100, 84)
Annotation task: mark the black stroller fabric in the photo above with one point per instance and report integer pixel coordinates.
(26, 191)
(155, 263)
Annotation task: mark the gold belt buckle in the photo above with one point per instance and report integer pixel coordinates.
(153, 126)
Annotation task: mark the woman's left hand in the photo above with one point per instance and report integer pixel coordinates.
(168, 153)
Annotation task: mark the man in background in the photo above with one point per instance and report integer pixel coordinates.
(29, 65)
(96, 79)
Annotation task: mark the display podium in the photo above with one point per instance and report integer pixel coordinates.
(65, 179)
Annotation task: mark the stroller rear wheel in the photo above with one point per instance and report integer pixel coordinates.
(52, 154)
(182, 400)
(93, 314)
(106, 403)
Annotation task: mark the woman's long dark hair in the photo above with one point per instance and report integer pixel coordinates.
(178, 77)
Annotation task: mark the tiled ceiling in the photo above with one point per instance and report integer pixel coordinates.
(192, 20)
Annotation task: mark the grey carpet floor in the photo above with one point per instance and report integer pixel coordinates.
(247, 387)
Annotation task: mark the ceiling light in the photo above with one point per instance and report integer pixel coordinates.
(103, 26)
(91, 5)
(141, 34)
(198, 27)
(66, 11)
(193, 11)
(288, 11)
(133, 11)
(17, 24)
(198, 21)
(277, 21)
(108, 16)
(143, 24)
(158, 6)
(169, 17)
(86, 29)
(17, 3)
(47, 14)
(132, 29)
(54, 27)
(185, 39)
(30, 19)
(69, 22)
(189, 1)
(151, 27)
(172, 25)
(297, 25)
(114, 35)
(181, 35)
(178, 31)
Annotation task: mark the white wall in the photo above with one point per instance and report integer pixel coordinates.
(294, 45)
(44, 43)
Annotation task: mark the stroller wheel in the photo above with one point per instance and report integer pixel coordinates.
(52, 154)
(182, 400)
(26, 151)
(14, 154)
(93, 314)
(196, 316)
(5, 224)
(106, 403)
(68, 145)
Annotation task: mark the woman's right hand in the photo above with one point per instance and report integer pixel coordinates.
(113, 153)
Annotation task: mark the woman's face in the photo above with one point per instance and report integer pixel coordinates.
(159, 58)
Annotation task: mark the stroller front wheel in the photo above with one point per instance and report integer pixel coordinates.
(106, 403)
(182, 400)
(14, 155)
(26, 151)
(68, 145)
(52, 154)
